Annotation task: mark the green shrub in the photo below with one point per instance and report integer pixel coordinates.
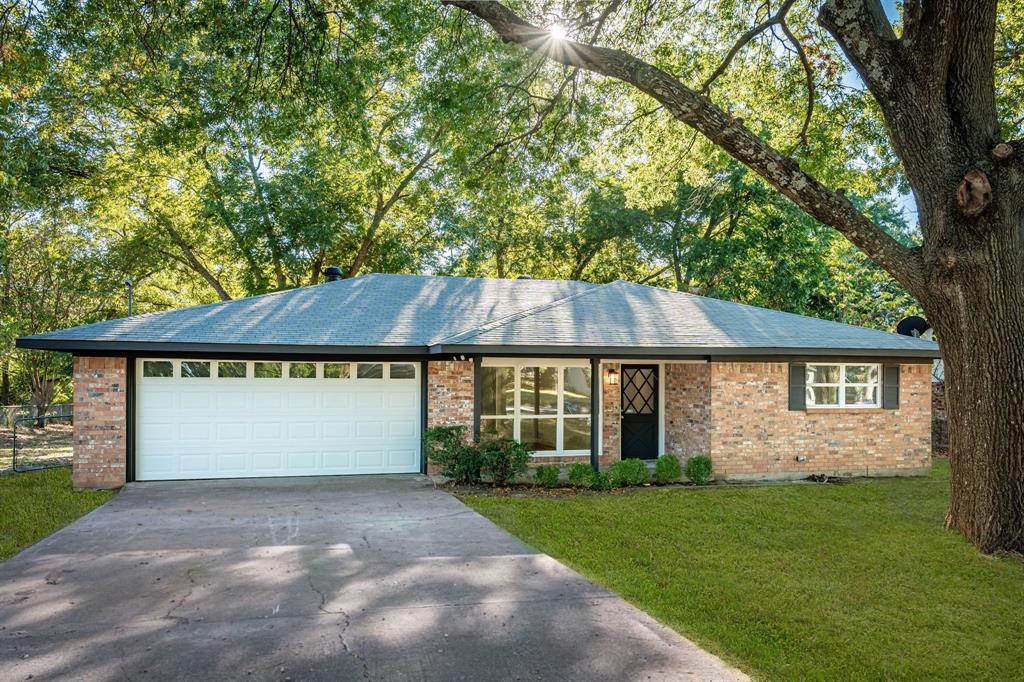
(698, 469)
(503, 459)
(667, 470)
(449, 448)
(581, 475)
(601, 480)
(629, 472)
(546, 475)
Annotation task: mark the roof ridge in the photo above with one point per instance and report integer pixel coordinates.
(494, 324)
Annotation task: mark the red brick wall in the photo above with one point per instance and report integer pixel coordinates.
(611, 415)
(99, 433)
(449, 396)
(450, 393)
(687, 389)
(753, 434)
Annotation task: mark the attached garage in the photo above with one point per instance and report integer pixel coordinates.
(208, 418)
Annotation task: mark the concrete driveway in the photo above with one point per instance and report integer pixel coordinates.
(377, 578)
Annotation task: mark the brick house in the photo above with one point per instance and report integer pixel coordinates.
(343, 377)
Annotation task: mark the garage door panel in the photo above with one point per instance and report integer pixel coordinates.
(369, 459)
(248, 427)
(303, 430)
(235, 431)
(232, 400)
(265, 400)
(337, 430)
(266, 431)
(335, 460)
(232, 463)
(402, 458)
(189, 431)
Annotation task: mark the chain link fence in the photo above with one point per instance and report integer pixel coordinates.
(11, 413)
(32, 443)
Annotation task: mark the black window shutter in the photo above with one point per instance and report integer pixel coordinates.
(891, 387)
(797, 386)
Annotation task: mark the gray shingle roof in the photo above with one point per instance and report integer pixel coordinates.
(419, 314)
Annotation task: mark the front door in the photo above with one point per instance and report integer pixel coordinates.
(640, 411)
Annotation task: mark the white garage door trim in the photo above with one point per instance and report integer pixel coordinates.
(315, 419)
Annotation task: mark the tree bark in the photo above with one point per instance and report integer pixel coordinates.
(975, 301)
(5, 383)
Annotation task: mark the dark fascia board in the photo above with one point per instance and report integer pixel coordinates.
(139, 348)
(177, 349)
(678, 352)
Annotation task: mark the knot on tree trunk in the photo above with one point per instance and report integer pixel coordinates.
(1002, 151)
(974, 193)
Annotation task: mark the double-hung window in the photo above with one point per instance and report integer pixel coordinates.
(544, 404)
(843, 385)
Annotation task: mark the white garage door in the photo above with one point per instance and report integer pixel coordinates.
(242, 419)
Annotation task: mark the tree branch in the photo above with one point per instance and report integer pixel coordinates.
(697, 111)
(776, 18)
(809, 75)
(866, 36)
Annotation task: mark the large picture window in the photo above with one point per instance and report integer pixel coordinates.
(843, 385)
(544, 404)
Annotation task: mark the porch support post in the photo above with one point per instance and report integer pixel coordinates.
(595, 411)
(477, 397)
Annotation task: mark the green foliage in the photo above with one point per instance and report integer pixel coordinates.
(223, 157)
(546, 475)
(667, 469)
(581, 475)
(503, 459)
(449, 448)
(628, 472)
(601, 480)
(698, 469)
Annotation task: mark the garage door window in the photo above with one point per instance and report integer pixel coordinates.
(231, 370)
(195, 369)
(403, 371)
(158, 368)
(368, 370)
(336, 370)
(302, 370)
(267, 370)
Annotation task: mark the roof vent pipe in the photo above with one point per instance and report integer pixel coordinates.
(332, 274)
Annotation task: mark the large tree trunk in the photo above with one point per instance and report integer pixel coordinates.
(976, 303)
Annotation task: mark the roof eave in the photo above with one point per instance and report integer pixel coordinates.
(681, 351)
(79, 346)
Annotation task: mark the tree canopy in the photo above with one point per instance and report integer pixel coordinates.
(215, 149)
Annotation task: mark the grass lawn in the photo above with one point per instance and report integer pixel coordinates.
(36, 503)
(796, 582)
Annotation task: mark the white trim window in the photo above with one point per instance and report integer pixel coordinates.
(844, 385)
(543, 403)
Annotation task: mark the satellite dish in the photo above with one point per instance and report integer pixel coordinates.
(912, 326)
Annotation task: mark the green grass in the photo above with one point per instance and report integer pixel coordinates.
(796, 582)
(37, 503)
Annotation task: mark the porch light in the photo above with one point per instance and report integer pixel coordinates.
(612, 377)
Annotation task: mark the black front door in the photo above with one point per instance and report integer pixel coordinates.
(640, 411)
